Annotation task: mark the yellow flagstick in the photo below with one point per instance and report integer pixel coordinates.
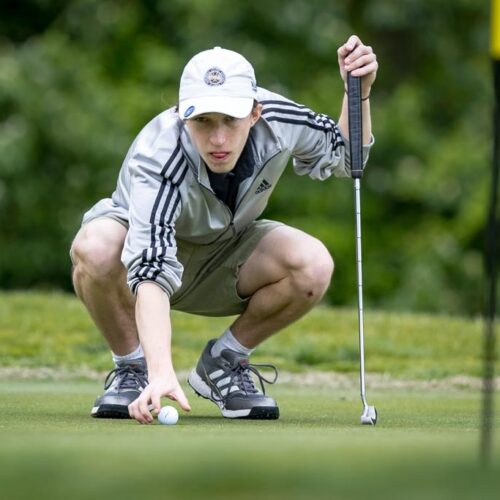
(495, 30)
(491, 251)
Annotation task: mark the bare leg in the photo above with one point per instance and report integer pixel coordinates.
(99, 279)
(287, 273)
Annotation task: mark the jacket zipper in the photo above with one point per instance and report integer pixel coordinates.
(226, 208)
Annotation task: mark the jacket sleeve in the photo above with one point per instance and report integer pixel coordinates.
(314, 140)
(150, 249)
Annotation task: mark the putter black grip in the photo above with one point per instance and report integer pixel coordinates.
(355, 125)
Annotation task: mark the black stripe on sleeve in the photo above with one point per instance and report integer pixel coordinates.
(171, 159)
(288, 112)
(155, 210)
(176, 175)
(306, 123)
(172, 212)
(283, 103)
(174, 169)
(284, 111)
(182, 174)
(163, 222)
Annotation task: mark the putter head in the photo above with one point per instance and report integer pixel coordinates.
(369, 416)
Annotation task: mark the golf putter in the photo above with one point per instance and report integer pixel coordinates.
(369, 415)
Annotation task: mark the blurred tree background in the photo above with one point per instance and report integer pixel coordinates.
(80, 78)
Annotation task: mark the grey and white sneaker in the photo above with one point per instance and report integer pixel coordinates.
(123, 385)
(227, 381)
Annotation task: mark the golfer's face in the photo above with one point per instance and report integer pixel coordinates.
(220, 139)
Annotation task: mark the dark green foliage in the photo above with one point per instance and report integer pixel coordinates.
(79, 79)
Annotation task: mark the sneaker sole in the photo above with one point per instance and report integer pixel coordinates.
(110, 411)
(255, 413)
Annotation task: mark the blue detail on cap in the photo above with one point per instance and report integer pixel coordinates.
(189, 111)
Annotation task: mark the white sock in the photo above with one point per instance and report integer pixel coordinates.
(228, 341)
(138, 353)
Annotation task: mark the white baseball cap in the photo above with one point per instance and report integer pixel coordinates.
(217, 81)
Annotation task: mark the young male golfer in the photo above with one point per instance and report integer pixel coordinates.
(180, 232)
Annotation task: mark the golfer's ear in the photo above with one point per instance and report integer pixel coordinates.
(256, 113)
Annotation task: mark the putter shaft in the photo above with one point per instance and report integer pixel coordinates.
(359, 265)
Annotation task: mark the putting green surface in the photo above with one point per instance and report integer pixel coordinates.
(424, 447)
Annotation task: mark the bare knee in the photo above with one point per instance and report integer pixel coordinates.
(96, 253)
(311, 268)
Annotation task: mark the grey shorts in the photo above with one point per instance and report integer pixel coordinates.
(211, 272)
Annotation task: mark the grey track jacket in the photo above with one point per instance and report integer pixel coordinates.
(164, 194)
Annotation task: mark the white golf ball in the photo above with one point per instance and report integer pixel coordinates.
(168, 415)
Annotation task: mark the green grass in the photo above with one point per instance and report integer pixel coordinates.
(38, 329)
(425, 447)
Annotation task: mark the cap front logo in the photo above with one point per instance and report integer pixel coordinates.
(214, 77)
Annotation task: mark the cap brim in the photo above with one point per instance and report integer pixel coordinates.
(238, 107)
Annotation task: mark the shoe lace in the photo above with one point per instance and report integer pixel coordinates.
(242, 378)
(128, 376)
